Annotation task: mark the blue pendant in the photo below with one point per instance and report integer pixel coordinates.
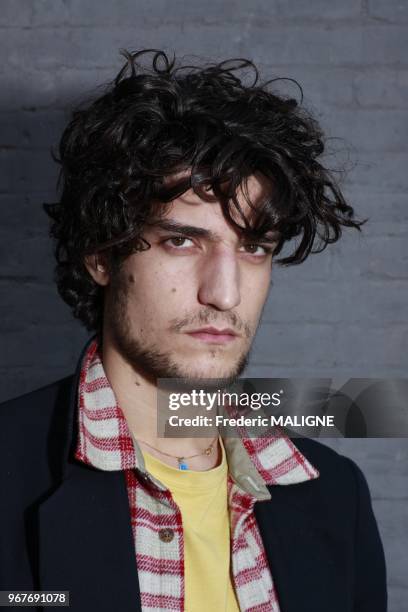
(182, 464)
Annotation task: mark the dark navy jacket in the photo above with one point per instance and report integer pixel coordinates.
(66, 526)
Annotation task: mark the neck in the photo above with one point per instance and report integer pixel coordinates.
(136, 395)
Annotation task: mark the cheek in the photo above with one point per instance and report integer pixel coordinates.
(156, 296)
(255, 293)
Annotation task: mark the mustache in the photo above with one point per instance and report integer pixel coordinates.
(206, 317)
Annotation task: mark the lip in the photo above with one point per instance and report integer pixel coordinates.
(212, 335)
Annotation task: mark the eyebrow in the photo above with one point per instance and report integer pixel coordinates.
(186, 230)
(201, 232)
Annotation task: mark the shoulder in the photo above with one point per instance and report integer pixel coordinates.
(33, 432)
(340, 478)
(37, 398)
(326, 459)
(27, 416)
(318, 452)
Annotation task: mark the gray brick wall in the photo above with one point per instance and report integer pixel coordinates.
(343, 312)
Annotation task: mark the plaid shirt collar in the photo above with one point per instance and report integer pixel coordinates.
(106, 442)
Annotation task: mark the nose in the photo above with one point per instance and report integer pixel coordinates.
(219, 284)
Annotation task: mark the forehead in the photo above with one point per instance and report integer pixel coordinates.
(190, 207)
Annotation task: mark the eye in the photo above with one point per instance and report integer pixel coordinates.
(257, 249)
(178, 242)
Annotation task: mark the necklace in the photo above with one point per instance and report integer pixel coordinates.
(182, 460)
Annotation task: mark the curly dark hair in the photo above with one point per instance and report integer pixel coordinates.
(153, 122)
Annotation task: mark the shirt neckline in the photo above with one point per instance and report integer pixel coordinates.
(204, 480)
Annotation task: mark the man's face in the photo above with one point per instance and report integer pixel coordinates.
(199, 273)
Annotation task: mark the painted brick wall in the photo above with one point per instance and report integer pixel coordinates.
(342, 313)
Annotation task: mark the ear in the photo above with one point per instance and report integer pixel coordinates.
(98, 268)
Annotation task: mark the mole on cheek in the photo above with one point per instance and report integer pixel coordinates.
(131, 278)
(174, 290)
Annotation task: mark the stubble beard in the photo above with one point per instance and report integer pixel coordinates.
(150, 360)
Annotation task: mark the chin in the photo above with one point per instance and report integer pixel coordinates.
(216, 368)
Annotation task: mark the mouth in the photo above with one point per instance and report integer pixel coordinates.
(212, 335)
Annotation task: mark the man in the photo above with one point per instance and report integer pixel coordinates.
(179, 187)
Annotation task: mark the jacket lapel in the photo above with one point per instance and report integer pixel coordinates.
(85, 537)
(302, 556)
(86, 543)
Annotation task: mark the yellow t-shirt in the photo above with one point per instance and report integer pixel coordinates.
(203, 502)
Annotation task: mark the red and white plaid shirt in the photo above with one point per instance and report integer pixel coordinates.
(106, 442)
